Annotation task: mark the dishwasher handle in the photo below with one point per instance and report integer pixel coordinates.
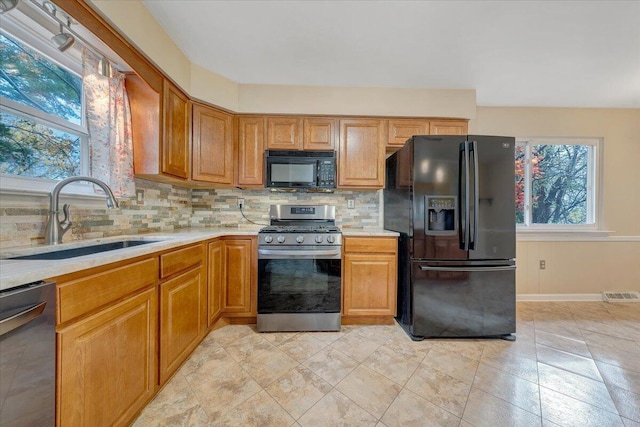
(25, 316)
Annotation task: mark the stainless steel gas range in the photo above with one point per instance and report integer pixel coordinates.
(299, 269)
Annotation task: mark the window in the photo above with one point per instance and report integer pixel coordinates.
(556, 183)
(42, 131)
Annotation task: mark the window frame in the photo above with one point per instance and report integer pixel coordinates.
(594, 185)
(15, 184)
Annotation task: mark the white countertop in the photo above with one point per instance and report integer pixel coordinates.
(18, 272)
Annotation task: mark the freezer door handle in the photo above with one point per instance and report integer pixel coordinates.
(473, 227)
(463, 212)
(464, 268)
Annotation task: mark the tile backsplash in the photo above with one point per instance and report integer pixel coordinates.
(163, 207)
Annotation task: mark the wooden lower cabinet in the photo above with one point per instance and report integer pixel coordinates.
(240, 265)
(183, 314)
(215, 275)
(107, 363)
(369, 276)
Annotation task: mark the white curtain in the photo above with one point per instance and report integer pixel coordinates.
(109, 124)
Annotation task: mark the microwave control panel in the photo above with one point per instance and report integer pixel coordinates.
(327, 173)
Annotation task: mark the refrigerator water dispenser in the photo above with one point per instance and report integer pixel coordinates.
(441, 218)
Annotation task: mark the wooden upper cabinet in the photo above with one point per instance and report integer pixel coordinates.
(250, 164)
(448, 127)
(176, 155)
(284, 133)
(362, 153)
(319, 134)
(402, 129)
(212, 145)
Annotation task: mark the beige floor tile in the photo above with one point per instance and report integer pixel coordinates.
(379, 334)
(243, 348)
(267, 366)
(513, 389)
(569, 362)
(411, 410)
(355, 346)
(514, 364)
(440, 389)
(298, 390)
(581, 388)
(617, 357)
(370, 390)
(260, 410)
(519, 348)
(608, 327)
(623, 378)
(570, 412)
(328, 337)
(467, 348)
(627, 402)
(559, 342)
(231, 333)
(602, 340)
(175, 405)
(565, 328)
(457, 366)
(630, 423)
(331, 365)
(206, 357)
(278, 338)
(302, 347)
(336, 409)
(218, 394)
(394, 362)
(484, 409)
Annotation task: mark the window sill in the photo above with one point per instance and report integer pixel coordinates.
(562, 235)
(22, 189)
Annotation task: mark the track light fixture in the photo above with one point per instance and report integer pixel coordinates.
(7, 5)
(62, 40)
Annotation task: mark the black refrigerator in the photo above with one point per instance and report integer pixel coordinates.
(452, 199)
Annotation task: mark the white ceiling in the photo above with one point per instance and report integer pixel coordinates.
(514, 53)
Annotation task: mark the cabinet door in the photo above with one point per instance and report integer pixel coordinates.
(107, 363)
(319, 134)
(237, 295)
(212, 145)
(176, 155)
(284, 133)
(402, 129)
(444, 127)
(216, 277)
(183, 312)
(369, 284)
(361, 154)
(250, 151)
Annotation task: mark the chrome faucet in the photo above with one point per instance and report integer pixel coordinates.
(55, 227)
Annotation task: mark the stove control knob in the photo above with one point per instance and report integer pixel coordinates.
(300, 239)
(268, 239)
(318, 239)
(330, 239)
(280, 239)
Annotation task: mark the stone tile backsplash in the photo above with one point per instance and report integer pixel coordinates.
(163, 207)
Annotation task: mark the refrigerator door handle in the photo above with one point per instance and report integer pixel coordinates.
(463, 212)
(473, 227)
(495, 268)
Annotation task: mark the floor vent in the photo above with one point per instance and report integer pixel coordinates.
(620, 296)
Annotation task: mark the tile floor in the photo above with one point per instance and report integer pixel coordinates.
(573, 364)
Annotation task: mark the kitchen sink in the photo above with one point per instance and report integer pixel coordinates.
(86, 250)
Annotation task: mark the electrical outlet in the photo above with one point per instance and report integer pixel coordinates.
(543, 264)
(240, 203)
(351, 204)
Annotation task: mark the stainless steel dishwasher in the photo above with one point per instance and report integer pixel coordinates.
(28, 355)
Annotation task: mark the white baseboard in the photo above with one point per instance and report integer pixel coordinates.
(558, 297)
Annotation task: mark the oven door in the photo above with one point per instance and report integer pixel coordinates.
(299, 280)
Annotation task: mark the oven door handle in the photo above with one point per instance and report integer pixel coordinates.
(299, 254)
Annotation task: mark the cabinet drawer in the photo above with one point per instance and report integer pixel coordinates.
(80, 296)
(371, 244)
(182, 259)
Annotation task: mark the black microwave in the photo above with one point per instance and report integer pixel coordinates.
(300, 169)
